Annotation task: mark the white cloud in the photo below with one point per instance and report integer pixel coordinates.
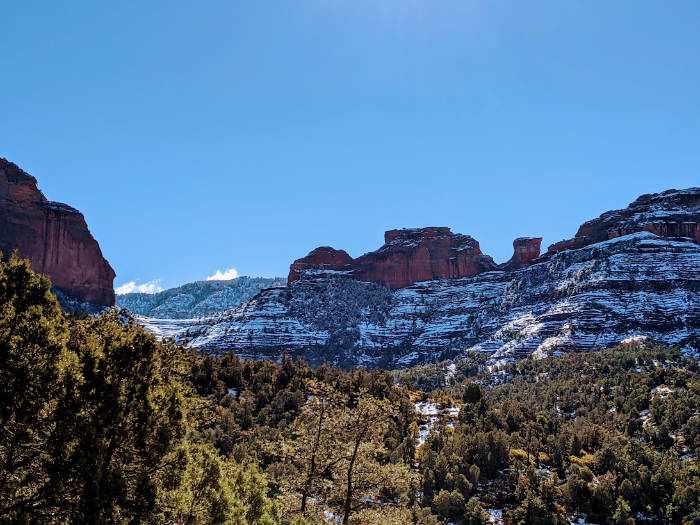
(132, 287)
(226, 275)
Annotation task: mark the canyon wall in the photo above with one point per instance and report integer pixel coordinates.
(407, 256)
(54, 237)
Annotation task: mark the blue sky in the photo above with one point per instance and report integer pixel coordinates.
(200, 136)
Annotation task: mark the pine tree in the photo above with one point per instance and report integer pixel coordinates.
(34, 366)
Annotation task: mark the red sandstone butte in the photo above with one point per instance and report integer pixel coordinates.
(54, 237)
(407, 256)
(422, 254)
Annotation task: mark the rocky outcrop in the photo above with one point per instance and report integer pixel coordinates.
(617, 285)
(525, 251)
(422, 254)
(631, 287)
(407, 256)
(322, 258)
(670, 214)
(54, 237)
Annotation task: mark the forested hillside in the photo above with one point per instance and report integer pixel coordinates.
(198, 299)
(100, 422)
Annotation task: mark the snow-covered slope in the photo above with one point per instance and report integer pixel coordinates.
(198, 299)
(638, 284)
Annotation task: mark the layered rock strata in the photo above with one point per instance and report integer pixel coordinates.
(54, 237)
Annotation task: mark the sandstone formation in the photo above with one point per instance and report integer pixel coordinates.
(407, 256)
(630, 274)
(525, 251)
(670, 214)
(54, 237)
(423, 254)
(324, 257)
(635, 286)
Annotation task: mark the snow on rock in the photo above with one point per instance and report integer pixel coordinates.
(620, 290)
(429, 414)
(495, 515)
(197, 299)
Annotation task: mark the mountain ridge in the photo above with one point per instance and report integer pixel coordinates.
(196, 299)
(627, 274)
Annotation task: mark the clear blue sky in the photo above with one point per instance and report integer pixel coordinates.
(198, 136)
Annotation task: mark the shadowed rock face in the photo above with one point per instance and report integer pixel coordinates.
(54, 237)
(525, 251)
(630, 274)
(670, 214)
(408, 256)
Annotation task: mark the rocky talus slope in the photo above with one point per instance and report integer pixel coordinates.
(629, 274)
(54, 237)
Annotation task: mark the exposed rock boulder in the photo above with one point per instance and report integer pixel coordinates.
(670, 214)
(54, 237)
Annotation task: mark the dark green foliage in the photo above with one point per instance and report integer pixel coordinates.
(100, 422)
(471, 393)
(128, 408)
(34, 364)
(611, 434)
(94, 422)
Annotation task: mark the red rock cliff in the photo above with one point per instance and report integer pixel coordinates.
(672, 213)
(408, 256)
(54, 237)
(422, 254)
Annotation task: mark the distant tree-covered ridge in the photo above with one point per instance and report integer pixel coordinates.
(197, 299)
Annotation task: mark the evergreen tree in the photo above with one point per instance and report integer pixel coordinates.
(35, 365)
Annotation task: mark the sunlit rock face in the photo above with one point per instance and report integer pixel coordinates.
(525, 251)
(614, 287)
(408, 256)
(593, 297)
(54, 237)
(422, 254)
(672, 214)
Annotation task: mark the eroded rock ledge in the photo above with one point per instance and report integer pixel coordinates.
(414, 255)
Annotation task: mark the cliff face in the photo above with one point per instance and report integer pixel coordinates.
(611, 286)
(413, 255)
(407, 256)
(672, 213)
(638, 285)
(54, 237)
